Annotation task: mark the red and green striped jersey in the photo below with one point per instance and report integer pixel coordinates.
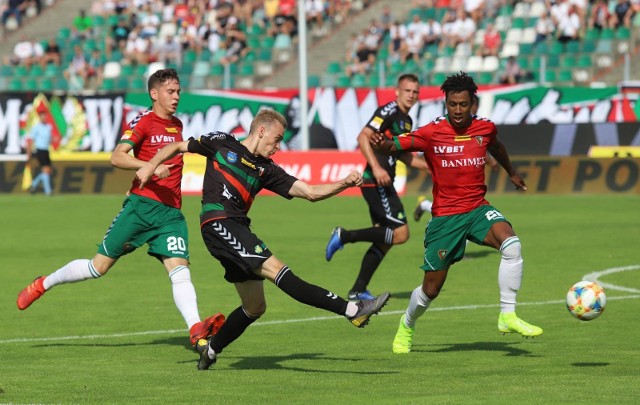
(148, 133)
(234, 176)
(456, 158)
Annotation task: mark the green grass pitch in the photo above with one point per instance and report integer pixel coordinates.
(121, 340)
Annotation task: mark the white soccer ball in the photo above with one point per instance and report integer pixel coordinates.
(586, 300)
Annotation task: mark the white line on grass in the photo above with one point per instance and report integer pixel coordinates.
(281, 322)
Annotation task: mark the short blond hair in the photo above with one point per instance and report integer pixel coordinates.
(267, 118)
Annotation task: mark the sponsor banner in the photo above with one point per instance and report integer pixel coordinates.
(542, 174)
(545, 175)
(70, 177)
(94, 122)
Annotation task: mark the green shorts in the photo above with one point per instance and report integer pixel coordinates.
(143, 220)
(446, 237)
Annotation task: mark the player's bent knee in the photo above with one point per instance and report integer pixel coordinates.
(511, 249)
(400, 235)
(255, 311)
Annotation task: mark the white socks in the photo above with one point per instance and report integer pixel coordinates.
(510, 273)
(77, 270)
(352, 309)
(418, 303)
(184, 295)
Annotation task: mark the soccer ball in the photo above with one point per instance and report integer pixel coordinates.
(586, 300)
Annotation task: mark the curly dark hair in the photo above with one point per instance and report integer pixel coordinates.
(161, 76)
(458, 83)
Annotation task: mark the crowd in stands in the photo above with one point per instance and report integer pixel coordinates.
(140, 32)
(15, 11)
(228, 32)
(466, 27)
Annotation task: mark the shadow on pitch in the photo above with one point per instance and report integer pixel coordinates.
(170, 341)
(594, 364)
(276, 363)
(506, 347)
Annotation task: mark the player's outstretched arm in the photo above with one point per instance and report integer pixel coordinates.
(317, 192)
(155, 166)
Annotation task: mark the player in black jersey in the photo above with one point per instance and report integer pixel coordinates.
(385, 208)
(236, 171)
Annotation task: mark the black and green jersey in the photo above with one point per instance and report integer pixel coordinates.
(234, 176)
(391, 121)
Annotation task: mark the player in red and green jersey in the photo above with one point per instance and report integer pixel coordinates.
(236, 172)
(455, 147)
(388, 219)
(148, 216)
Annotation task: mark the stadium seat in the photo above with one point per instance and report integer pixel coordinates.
(313, 81)
(358, 81)
(15, 84)
(46, 84)
(112, 70)
(201, 68)
(343, 81)
(334, 68)
(584, 61)
(568, 62)
(565, 76)
(474, 63)
(528, 36)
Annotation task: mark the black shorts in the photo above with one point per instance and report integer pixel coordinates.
(42, 156)
(240, 252)
(385, 207)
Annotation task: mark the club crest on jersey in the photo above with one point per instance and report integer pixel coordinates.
(260, 170)
(232, 157)
(479, 139)
(442, 253)
(259, 248)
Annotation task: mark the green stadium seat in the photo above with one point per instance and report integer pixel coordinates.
(565, 75)
(343, 81)
(622, 33)
(334, 67)
(313, 81)
(31, 84)
(573, 47)
(373, 81)
(592, 34)
(15, 84)
(21, 71)
(108, 84)
(36, 71)
(485, 78)
(550, 76)
(607, 33)
(267, 42)
(569, 61)
(584, 61)
(604, 46)
(216, 69)
(201, 69)
(6, 70)
(588, 45)
(358, 81)
(46, 84)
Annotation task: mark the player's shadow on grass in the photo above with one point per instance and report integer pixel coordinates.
(275, 363)
(505, 347)
(169, 341)
(593, 364)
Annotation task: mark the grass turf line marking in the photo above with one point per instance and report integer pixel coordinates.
(281, 322)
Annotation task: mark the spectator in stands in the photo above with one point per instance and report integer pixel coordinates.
(314, 12)
(411, 47)
(513, 73)
(139, 50)
(622, 14)
(600, 16)
(569, 26)
(397, 35)
(491, 41)
(364, 58)
(284, 38)
(26, 52)
(15, 9)
(432, 32)
(449, 35)
(417, 26)
(465, 28)
(474, 9)
(76, 72)
(170, 51)
(119, 36)
(236, 45)
(51, 53)
(149, 21)
(386, 19)
(95, 69)
(82, 25)
(544, 28)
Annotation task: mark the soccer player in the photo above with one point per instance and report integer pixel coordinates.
(150, 216)
(424, 204)
(40, 138)
(236, 171)
(385, 207)
(455, 147)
